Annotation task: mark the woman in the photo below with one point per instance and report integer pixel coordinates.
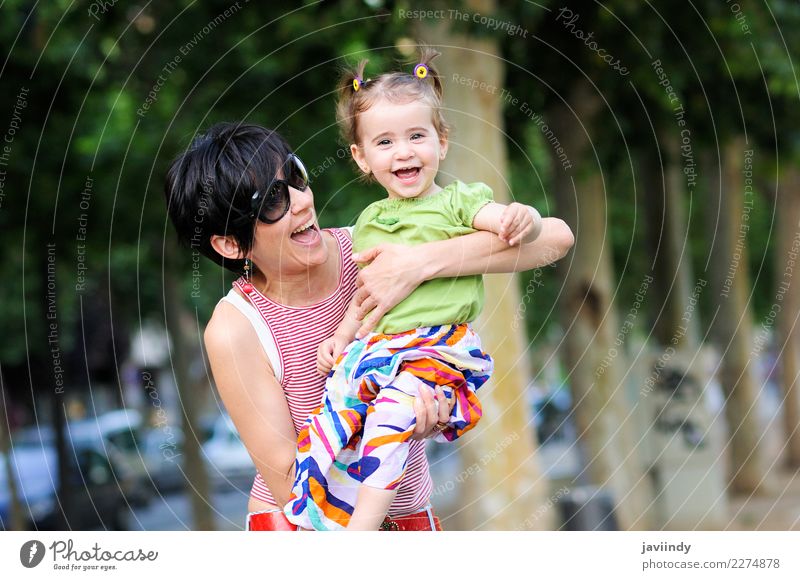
(241, 197)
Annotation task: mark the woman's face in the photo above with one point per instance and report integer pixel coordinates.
(294, 243)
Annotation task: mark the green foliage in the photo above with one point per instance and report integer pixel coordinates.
(110, 98)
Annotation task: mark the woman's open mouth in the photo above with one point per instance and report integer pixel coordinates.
(307, 234)
(407, 175)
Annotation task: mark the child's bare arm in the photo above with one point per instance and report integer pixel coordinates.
(514, 224)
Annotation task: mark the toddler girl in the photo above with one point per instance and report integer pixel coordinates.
(352, 450)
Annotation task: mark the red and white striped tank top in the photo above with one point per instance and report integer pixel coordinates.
(297, 333)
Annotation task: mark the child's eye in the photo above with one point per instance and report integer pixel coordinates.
(417, 136)
(383, 142)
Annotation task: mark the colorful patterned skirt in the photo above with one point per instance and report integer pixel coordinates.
(359, 434)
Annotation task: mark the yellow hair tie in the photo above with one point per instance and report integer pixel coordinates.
(420, 71)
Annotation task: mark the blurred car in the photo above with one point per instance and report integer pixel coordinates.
(119, 433)
(115, 434)
(163, 455)
(227, 461)
(95, 494)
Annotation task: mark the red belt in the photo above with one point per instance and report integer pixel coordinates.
(276, 521)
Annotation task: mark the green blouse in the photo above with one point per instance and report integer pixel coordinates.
(443, 215)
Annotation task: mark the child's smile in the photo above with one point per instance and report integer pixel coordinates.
(408, 175)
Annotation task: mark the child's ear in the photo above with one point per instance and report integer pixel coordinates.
(360, 159)
(443, 144)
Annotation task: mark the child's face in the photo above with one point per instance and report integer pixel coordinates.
(400, 147)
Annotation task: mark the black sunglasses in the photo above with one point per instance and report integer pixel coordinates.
(271, 204)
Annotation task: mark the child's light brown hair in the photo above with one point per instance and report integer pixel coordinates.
(397, 87)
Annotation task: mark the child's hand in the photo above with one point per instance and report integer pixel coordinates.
(519, 223)
(328, 352)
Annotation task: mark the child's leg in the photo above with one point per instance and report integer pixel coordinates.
(323, 493)
(384, 450)
(372, 505)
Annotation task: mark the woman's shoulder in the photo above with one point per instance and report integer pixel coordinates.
(345, 232)
(226, 323)
(229, 334)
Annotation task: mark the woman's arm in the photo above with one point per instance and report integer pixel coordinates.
(253, 397)
(485, 253)
(394, 271)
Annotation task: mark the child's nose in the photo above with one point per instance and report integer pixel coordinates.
(403, 150)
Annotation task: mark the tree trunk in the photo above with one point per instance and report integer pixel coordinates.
(731, 326)
(681, 443)
(501, 486)
(174, 317)
(787, 252)
(606, 427)
(669, 243)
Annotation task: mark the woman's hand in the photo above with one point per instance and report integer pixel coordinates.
(328, 353)
(430, 411)
(393, 272)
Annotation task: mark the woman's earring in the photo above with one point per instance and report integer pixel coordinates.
(248, 268)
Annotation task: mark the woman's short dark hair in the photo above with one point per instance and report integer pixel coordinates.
(210, 185)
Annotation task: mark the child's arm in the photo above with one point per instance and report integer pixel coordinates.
(514, 224)
(330, 348)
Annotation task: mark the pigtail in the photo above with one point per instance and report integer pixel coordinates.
(431, 74)
(351, 81)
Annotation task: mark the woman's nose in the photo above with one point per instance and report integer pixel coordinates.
(301, 200)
